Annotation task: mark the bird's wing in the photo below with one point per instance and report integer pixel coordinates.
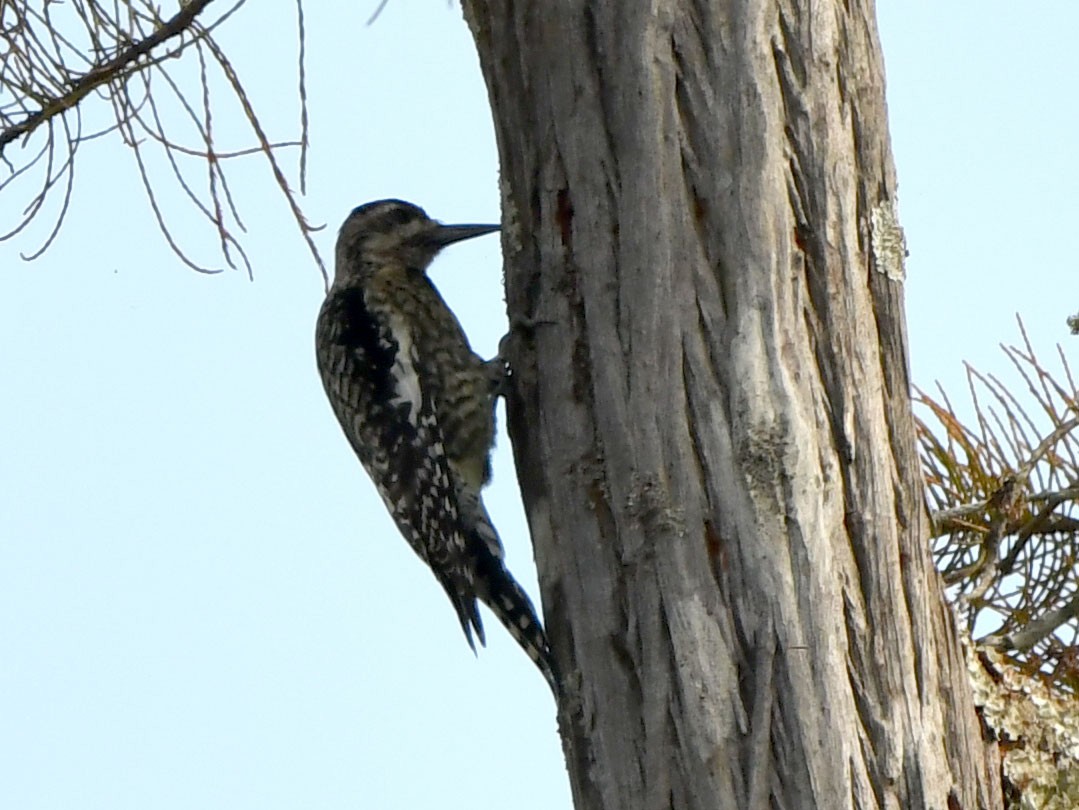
(370, 368)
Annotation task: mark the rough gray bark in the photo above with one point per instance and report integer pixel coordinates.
(711, 419)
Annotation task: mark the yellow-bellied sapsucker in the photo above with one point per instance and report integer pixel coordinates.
(417, 406)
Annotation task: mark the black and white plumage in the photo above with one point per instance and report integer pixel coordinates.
(417, 406)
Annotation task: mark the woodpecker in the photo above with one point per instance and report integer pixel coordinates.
(417, 406)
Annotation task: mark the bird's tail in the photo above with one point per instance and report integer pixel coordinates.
(493, 584)
(508, 601)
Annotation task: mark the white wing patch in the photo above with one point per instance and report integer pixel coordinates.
(406, 379)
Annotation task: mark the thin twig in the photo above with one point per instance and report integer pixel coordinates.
(102, 73)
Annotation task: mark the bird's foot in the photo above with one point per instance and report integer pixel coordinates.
(500, 367)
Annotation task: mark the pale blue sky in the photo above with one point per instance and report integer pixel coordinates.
(202, 601)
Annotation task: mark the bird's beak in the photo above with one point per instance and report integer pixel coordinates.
(448, 234)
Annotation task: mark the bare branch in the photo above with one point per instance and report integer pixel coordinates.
(120, 47)
(1037, 629)
(1005, 491)
(104, 72)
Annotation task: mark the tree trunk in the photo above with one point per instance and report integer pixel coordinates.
(711, 417)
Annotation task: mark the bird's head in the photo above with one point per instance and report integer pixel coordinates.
(395, 232)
